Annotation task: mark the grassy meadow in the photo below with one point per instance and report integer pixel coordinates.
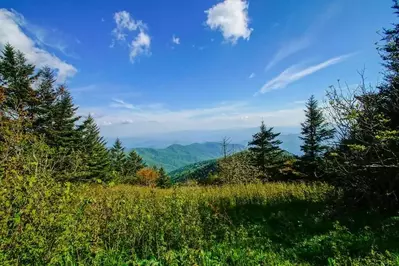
(257, 224)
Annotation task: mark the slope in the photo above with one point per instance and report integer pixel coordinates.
(176, 156)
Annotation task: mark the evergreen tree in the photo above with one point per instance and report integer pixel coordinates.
(265, 150)
(64, 133)
(134, 163)
(17, 77)
(47, 96)
(315, 132)
(389, 90)
(94, 150)
(163, 180)
(118, 158)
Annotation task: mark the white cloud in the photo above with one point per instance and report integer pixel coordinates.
(294, 73)
(231, 18)
(117, 103)
(157, 119)
(288, 49)
(175, 40)
(252, 76)
(12, 32)
(125, 24)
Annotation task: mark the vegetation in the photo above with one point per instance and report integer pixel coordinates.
(67, 200)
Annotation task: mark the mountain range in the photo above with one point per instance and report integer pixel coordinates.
(176, 156)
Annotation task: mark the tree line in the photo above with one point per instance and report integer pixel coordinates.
(33, 107)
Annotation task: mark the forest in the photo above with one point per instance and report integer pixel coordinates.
(66, 198)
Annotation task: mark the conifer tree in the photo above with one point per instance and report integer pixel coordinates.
(47, 96)
(315, 133)
(134, 163)
(389, 90)
(118, 158)
(94, 151)
(265, 150)
(163, 180)
(17, 77)
(64, 133)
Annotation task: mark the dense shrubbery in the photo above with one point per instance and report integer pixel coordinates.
(280, 224)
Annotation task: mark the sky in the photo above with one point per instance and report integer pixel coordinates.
(153, 67)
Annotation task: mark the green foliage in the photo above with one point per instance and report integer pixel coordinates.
(266, 152)
(272, 224)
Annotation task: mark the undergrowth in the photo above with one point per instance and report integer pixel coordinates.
(271, 224)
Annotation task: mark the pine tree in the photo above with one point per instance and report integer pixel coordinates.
(315, 133)
(94, 150)
(389, 90)
(47, 96)
(17, 77)
(163, 180)
(265, 150)
(134, 163)
(118, 158)
(64, 133)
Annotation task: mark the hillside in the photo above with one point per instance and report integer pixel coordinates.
(176, 156)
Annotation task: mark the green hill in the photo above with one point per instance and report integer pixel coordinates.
(195, 171)
(177, 156)
(202, 170)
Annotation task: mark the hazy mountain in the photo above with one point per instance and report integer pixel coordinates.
(289, 136)
(176, 156)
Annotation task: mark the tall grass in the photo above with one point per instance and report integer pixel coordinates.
(262, 224)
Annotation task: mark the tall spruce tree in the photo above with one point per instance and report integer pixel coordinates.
(17, 78)
(97, 165)
(389, 90)
(315, 133)
(118, 158)
(134, 162)
(47, 96)
(265, 151)
(64, 133)
(163, 180)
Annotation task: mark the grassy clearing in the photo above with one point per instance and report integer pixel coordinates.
(270, 224)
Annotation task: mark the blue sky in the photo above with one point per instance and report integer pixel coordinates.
(150, 67)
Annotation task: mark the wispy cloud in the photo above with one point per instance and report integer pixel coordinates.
(45, 37)
(295, 73)
(299, 43)
(231, 18)
(117, 103)
(252, 76)
(288, 49)
(12, 31)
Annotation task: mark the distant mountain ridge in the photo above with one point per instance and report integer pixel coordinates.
(176, 156)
